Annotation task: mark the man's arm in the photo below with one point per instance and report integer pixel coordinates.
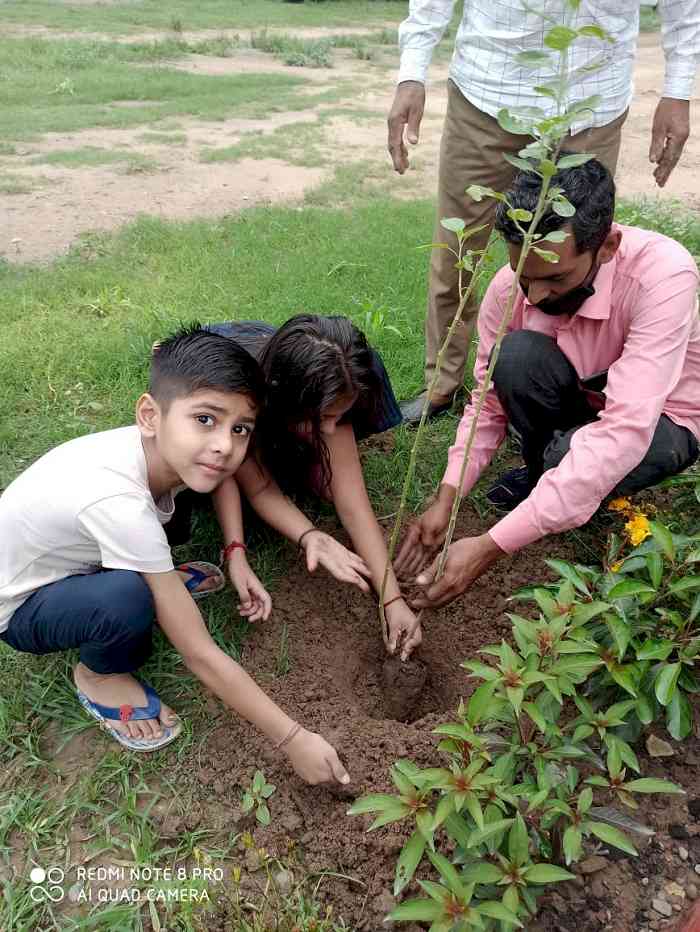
(311, 756)
(680, 31)
(419, 33)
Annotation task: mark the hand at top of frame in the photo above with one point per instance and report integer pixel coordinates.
(467, 559)
(669, 132)
(323, 550)
(425, 535)
(406, 112)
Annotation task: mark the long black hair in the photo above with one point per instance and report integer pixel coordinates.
(309, 363)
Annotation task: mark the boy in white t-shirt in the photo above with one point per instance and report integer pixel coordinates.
(85, 562)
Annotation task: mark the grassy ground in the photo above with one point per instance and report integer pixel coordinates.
(178, 15)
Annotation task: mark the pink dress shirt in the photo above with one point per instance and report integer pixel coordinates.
(641, 325)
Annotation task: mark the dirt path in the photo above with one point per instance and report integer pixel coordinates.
(64, 203)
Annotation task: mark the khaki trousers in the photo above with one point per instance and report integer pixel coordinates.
(471, 152)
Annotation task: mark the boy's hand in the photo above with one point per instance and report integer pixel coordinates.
(467, 559)
(404, 629)
(255, 600)
(425, 535)
(315, 760)
(323, 550)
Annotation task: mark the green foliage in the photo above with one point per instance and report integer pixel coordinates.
(255, 798)
(525, 780)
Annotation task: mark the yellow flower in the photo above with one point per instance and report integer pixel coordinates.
(637, 529)
(620, 504)
(615, 568)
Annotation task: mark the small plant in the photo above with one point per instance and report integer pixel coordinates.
(373, 320)
(176, 25)
(255, 798)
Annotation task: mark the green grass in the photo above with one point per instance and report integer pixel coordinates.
(85, 157)
(163, 139)
(11, 183)
(70, 85)
(209, 14)
(296, 143)
(76, 342)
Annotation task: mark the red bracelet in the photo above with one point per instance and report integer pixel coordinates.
(395, 599)
(233, 546)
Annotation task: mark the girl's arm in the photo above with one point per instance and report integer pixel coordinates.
(357, 516)
(255, 600)
(267, 500)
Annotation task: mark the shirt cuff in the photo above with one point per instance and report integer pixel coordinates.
(679, 80)
(516, 530)
(414, 65)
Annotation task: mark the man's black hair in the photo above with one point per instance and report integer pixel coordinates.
(589, 187)
(193, 359)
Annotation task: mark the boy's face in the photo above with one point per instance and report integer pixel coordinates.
(201, 439)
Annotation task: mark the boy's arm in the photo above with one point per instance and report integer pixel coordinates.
(310, 755)
(255, 600)
(267, 500)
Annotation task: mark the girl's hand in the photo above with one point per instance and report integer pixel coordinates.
(315, 760)
(323, 550)
(404, 629)
(255, 599)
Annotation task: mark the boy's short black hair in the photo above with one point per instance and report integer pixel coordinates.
(589, 187)
(193, 359)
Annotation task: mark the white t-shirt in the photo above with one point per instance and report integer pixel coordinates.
(82, 507)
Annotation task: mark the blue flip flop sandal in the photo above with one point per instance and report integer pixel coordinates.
(127, 713)
(199, 571)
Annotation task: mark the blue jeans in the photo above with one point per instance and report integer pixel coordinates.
(107, 615)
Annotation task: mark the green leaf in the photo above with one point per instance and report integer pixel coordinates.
(596, 31)
(408, 861)
(258, 782)
(585, 800)
(547, 873)
(620, 632)
(481, 669)
(556, 236)
(560, 38)
(448, 873)
(645, 709)
(655, 649)
(376, 802)
(478, 192)
(572, 844)
(653, 785)
(546, 254)
(573, 161)
(662, 536)
(655, 568)
(585, 613)
(488, 831)
(520, 214)
(498, 911)
(679, 716)
(421, 910)
(536, 716)
(518, 841)
(561, 566)
(511, 124)
(563, 208)
(248, 802)
(685, 584)
(665, 682)
(403, 783)
(424, 823)
(611, 836)
(479, 702)
(482, 872)
(522, 164)
(453, 224)
(262, 814)
(532, 57)
(628, 588)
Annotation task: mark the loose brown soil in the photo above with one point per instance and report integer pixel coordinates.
(375, 713)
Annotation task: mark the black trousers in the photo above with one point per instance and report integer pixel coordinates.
(546, 403)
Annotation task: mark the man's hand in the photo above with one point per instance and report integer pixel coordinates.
(404, 629)
(425, 535)
(323, 550)
(315, 760)
(669, 132)
(467, 559)
(406, 111)
(255, 600)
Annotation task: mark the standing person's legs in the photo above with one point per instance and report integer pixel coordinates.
(109, 617)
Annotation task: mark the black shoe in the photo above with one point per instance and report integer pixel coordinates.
(412, 410)
(512, 488)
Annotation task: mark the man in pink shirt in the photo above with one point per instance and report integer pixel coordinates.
(599, 373)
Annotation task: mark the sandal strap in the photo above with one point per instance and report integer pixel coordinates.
(197, 576)
(127, 713)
